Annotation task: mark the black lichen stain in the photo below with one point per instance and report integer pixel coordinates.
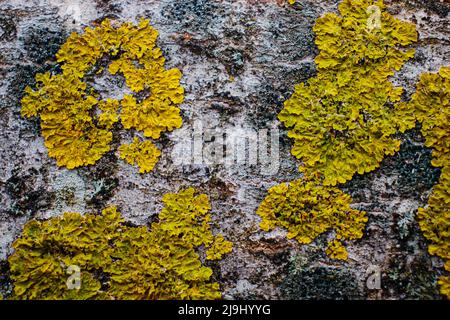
(410, 273)
(200, 23)
(415, 176)
(413, 165)
(27, 195)
(41, 43)
(441, 8)
(303, 73)
(284, 37)
(410, 276)
(5, 279)
(269, 99)
(316, 283)
(103, 176)
(23, 75)
(8, 29)
(192, 15)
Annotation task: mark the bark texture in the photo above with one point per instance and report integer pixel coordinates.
(240, 60)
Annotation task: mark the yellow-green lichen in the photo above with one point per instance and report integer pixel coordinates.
(74, 133)
(118, 261)
(434, 220)
(307, 210)
(444, 282)
(336, 250)
(143, 153)
(342, 120)
(430, 105)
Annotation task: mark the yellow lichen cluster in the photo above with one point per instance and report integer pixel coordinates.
(143, 153)
(75, 133)
(307, 210)
(342, 121)
(430, 106)
(118, 261)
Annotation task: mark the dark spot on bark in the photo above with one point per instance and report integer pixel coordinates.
(41, 43)
(192, 15)
(317, 283)
(103, 178)
(8, 30)
(27, 193)
(411, 166)
(5, 279)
